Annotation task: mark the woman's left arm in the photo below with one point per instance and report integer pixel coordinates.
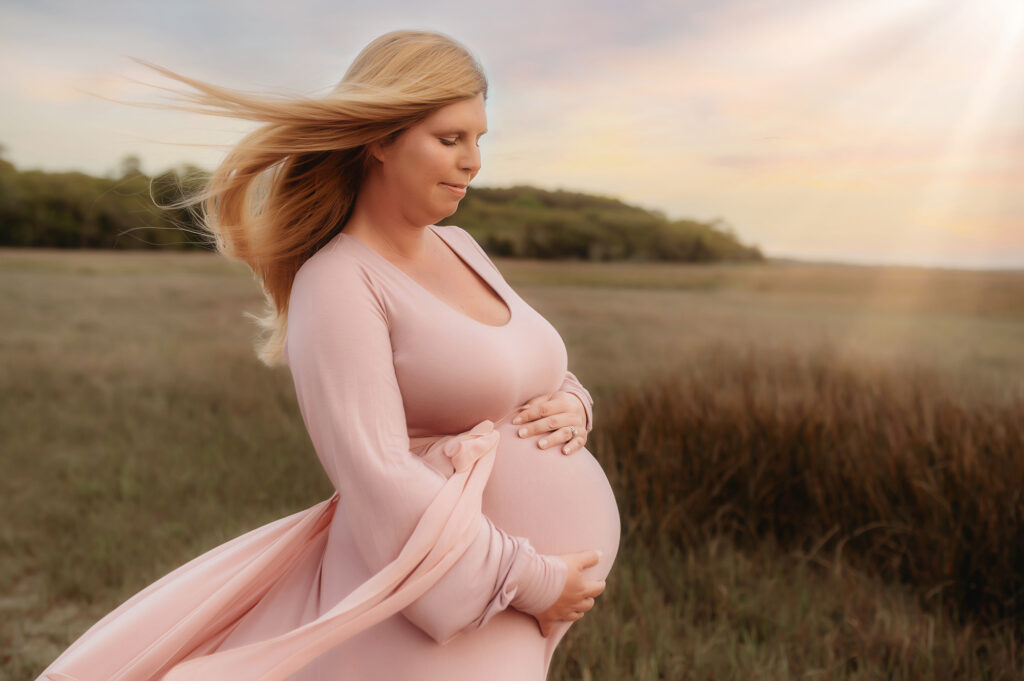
(572, 385)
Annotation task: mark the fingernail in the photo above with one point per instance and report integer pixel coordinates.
(522, 432)
(542, 443)
(517, 420)
(600, 554)
(565, 449)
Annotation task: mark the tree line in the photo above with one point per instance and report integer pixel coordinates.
(78, 210)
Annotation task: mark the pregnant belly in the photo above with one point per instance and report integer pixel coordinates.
(562, 504)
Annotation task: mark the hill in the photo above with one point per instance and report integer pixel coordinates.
(77, 210)
(527, 222)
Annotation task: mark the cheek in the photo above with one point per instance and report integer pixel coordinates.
(434, 159)
(423, 168)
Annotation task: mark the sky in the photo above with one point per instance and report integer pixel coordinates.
(863, 131)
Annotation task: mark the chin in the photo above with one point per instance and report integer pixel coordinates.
(442, 214)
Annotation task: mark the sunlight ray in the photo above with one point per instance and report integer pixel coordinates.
(942, 195)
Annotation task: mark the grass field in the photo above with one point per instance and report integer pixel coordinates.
(138, 429)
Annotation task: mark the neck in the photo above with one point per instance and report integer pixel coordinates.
(378, 221)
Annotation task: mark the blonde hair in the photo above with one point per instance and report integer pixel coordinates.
(288, 187)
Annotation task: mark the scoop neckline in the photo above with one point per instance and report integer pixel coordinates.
(446, 242)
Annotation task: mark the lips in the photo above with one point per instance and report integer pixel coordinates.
(457, 189)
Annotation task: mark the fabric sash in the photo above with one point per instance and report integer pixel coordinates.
(159, 635)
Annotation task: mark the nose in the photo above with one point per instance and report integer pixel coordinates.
(471, 160)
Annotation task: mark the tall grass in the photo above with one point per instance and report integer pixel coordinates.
(790, 510)
(715, 611)
(882, 465)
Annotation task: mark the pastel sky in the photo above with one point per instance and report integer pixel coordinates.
(880, 131)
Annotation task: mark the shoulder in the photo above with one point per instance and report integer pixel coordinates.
(333, 275)
(458, 233)
(465, 237)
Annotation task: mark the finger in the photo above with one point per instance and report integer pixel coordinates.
(532, 421)
(597, 588)
(529, 410)
(572, 445)
(555, 429)
(581, 560)
(558, 434)
(564, 436)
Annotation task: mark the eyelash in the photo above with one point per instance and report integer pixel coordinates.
(449, 143)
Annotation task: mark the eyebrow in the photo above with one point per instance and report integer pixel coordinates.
(462, 132)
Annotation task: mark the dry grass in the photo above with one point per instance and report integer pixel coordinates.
(717, 611)
(886, 466)
(754, 421)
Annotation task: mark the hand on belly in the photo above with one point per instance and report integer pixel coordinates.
(560, 503)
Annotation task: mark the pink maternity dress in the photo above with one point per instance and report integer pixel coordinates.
(439, 543)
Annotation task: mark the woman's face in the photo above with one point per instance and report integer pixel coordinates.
(428, 166)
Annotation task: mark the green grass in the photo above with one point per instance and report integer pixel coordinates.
(138, 429)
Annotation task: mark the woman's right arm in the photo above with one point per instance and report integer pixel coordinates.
(339, 351)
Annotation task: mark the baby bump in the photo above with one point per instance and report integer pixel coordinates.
(562, 504)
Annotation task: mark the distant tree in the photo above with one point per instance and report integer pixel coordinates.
(131, 165)
(75, 210)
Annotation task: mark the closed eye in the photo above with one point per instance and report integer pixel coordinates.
(452, 143)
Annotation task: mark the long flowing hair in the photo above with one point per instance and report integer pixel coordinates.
(289, 186)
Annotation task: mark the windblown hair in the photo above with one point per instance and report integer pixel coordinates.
(289, 186)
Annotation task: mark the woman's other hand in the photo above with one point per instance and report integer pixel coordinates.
(554, 413)
(578, 594)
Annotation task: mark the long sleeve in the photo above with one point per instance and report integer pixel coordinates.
(571, 384)
(339, 350)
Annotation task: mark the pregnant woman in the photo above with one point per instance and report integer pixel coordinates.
(470, 527)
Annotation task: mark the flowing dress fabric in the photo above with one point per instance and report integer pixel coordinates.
(440, 541)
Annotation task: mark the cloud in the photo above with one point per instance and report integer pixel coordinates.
(805, 124)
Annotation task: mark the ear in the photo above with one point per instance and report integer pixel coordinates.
(380, 150)
(375, 150)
